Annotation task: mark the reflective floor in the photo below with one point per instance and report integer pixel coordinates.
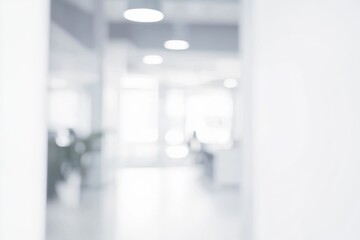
(152, 204)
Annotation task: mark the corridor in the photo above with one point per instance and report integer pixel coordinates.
(179, 120)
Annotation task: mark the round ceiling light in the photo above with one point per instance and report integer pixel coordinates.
(143, 15)
(152, 59)
(176, 45)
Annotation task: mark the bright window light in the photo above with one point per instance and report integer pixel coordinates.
(230, 83)
(176, 152)
(64, 106)
(139, 81)
(209, 112)
(175, 104)
(143, 15)
(176, 45)
(138, 116)
(153, 59)
(174, 137)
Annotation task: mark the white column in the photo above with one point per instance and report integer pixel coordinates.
(23, 72)
(303, 137)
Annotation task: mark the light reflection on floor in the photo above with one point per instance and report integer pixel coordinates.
(151, 204)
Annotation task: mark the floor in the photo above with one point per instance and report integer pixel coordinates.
(152, 204)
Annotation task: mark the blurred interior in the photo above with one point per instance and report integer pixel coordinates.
(179, 119)
(144, 141)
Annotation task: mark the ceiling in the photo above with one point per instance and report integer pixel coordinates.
(185, 68)
(204, 11)
(188, 11)
(213, 54)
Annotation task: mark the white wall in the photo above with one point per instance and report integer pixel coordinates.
(303, 131)
(23, 67)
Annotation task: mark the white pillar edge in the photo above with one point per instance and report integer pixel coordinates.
(24, 37)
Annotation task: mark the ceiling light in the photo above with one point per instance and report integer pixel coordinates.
(178, 41)
(153, 59)
(143, 15)
(176, 45)
(144, 11)
(230, 83)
